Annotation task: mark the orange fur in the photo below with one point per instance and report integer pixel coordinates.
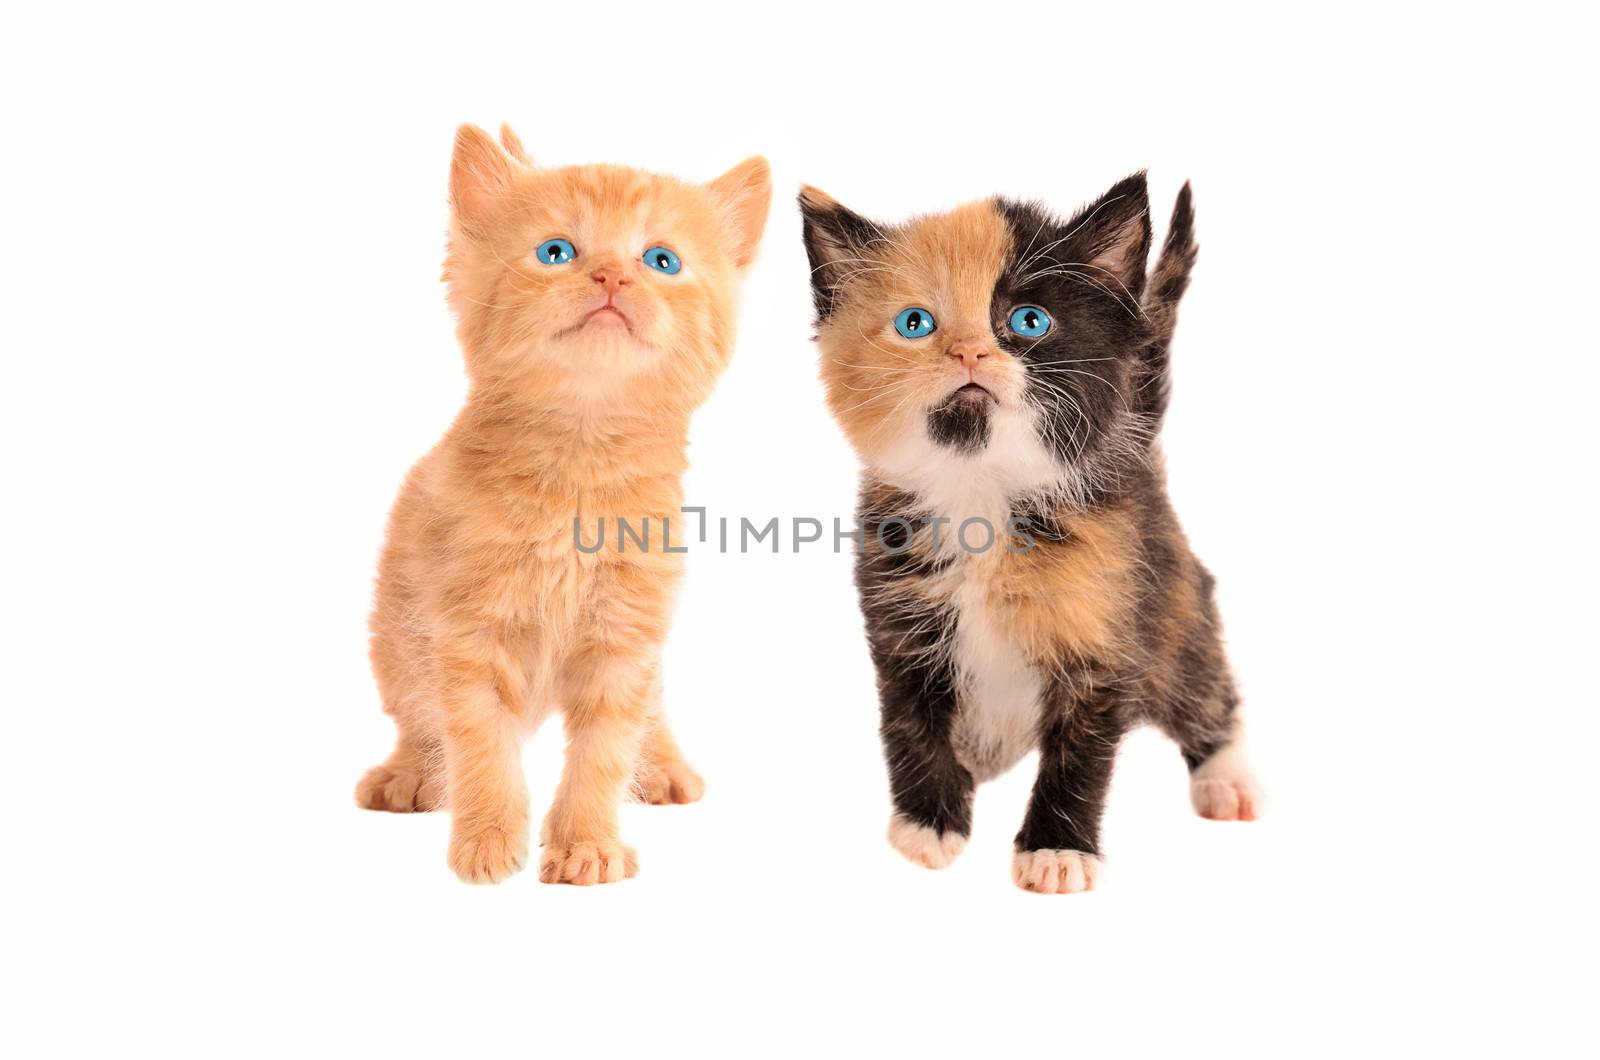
(1051, 602)
(487, 617)
(949, 263)
(1074, 603)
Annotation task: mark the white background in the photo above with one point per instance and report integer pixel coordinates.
(224, 342)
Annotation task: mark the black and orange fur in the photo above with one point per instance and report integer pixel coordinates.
(1089, 614)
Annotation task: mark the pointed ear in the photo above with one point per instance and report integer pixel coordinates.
(480, 173)
(513, 145)
(743, 194)
(1112, 234)
(837, 240)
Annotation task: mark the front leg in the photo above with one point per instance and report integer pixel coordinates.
(932, 791)
(607, 710)
(909, 634)
(1058, 848)
(930, 788)
(487, 795)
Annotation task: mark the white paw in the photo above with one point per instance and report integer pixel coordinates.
(1054, 871)
(1222, 789)
(923, 845)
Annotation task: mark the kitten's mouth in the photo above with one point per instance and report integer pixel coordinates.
(608, 314)
(975, 392)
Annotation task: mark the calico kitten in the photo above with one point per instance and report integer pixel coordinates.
(1002, 374)
(596, 309)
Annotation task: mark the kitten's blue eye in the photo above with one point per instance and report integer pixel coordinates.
(663, 260)
(1030, 321)
(556, 252)
(915, 323)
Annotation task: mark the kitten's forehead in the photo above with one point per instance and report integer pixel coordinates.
(954, 258)
(617, 198)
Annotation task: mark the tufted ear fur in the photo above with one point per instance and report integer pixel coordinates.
(513, 145)
(480, 173)
(836, 241)
(743, 195)
(1112, 234)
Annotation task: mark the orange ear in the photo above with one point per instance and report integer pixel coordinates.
(479, 174)
(513, 145)
(743, 195)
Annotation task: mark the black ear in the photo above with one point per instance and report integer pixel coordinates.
(838, 242)
(1112, 236)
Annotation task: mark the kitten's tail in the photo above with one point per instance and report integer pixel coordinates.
(1167, 283)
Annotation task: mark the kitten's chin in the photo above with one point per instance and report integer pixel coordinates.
(598, 366)
(605, 344)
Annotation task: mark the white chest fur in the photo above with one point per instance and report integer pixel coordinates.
(998, 689)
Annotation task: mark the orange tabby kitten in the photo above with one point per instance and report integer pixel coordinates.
(596, 309)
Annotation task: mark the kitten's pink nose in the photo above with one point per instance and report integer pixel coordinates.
(609, 276)
(969, 352)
